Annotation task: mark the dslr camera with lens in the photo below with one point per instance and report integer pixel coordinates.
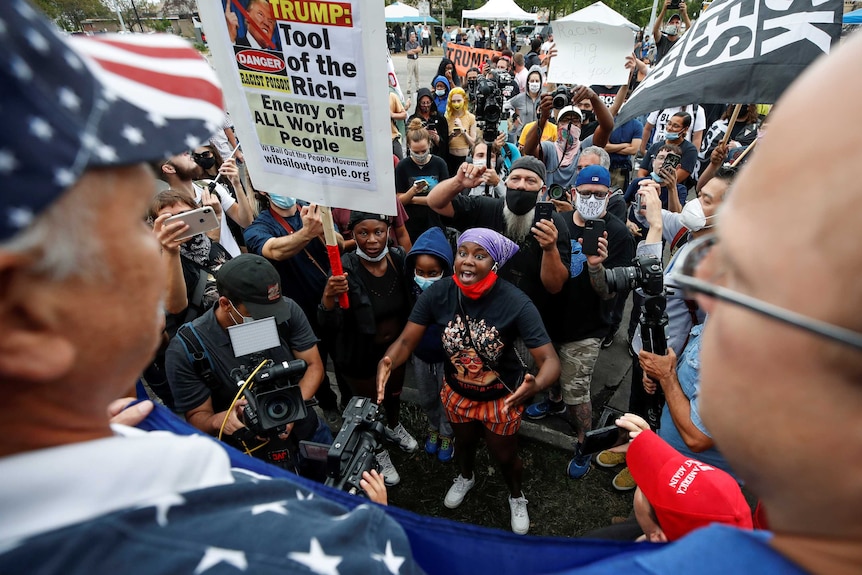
(646, 274)
(562, 97)
(557, 192)
(489, 107)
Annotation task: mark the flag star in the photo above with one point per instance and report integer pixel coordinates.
(109, 95)
(8, 163)
(163, 504)
(192, 142)
(215, 555)
(157, 120)
(68, 99)
(64, 177)
(393, 562)
(106, 153)
(274, 507)
(19, 217)
(317, 560)
(40, 128)
(37, 41)
(301, 496)
(21, 70)
(2, 27)
(90, 141)
(212, 127)
(133, 135)
(72, 60)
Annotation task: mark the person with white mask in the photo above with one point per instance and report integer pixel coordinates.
(525, 104)
(696, 219)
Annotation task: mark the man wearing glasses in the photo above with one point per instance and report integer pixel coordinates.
(578, 323)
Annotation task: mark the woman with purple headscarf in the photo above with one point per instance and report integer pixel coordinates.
(486, 382)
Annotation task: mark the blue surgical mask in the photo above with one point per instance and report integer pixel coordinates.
(283, 202)
(245, 318)
(672, 136)
(424, 283)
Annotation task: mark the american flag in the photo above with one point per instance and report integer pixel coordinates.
(81, 102)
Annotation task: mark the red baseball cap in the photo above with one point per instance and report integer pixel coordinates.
(685, 493)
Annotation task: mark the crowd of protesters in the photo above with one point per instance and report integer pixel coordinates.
(501, 301)
(491, 280)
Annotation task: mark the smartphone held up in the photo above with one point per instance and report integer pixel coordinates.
(199, 221)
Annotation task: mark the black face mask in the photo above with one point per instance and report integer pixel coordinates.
(520, 202)
(204, 162)
(589, 116)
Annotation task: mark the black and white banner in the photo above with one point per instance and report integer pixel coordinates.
(739, 51)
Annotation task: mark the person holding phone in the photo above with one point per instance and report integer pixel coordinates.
(415, 176)
(462, 128)
(663, 172)
(667, 36)
(578, 325)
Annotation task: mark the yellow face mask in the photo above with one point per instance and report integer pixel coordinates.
(457, 105)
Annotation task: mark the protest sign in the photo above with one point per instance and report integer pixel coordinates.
(739, 51)
(466, 57)
(590, 53)
(308, 96)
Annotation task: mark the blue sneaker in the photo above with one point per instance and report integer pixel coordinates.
(578, 466)
(446, 449)
(545, 407)
(431, 442)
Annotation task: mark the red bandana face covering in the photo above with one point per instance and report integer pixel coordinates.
(478, 289)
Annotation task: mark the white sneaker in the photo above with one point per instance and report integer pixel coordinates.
(520, 518)
(387, 470)
(402, 438)
(456, 493)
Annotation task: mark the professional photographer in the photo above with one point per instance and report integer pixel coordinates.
(696, 219)
(249, 289)
(561, 157)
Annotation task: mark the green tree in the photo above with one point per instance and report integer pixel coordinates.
(69, 14)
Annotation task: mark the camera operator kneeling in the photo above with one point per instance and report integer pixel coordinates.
(205, 374)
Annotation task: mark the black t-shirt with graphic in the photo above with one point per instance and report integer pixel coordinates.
(482, 363)
(580, 313)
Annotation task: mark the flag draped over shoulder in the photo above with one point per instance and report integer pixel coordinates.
(739, 51)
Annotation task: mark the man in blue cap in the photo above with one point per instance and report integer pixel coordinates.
(579, 324)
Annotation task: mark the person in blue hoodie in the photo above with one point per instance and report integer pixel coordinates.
(441, 93)
(429, 260)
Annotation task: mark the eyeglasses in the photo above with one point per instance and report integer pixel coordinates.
(598, 195)
(693, 255)
(468, 359)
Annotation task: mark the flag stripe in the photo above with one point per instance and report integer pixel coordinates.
(187, 87)
(178, 50)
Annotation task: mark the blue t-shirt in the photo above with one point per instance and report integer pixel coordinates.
(624, 134)
(304, 275)
(688, 374)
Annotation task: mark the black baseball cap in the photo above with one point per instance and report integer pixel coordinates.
(253, 281)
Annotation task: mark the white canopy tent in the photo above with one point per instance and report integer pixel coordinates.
(602, 14)
(398, 12)
(499, 10)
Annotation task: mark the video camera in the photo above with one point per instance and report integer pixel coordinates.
(274, 397)
(648, 275)
(489, 108)
(352, 452)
